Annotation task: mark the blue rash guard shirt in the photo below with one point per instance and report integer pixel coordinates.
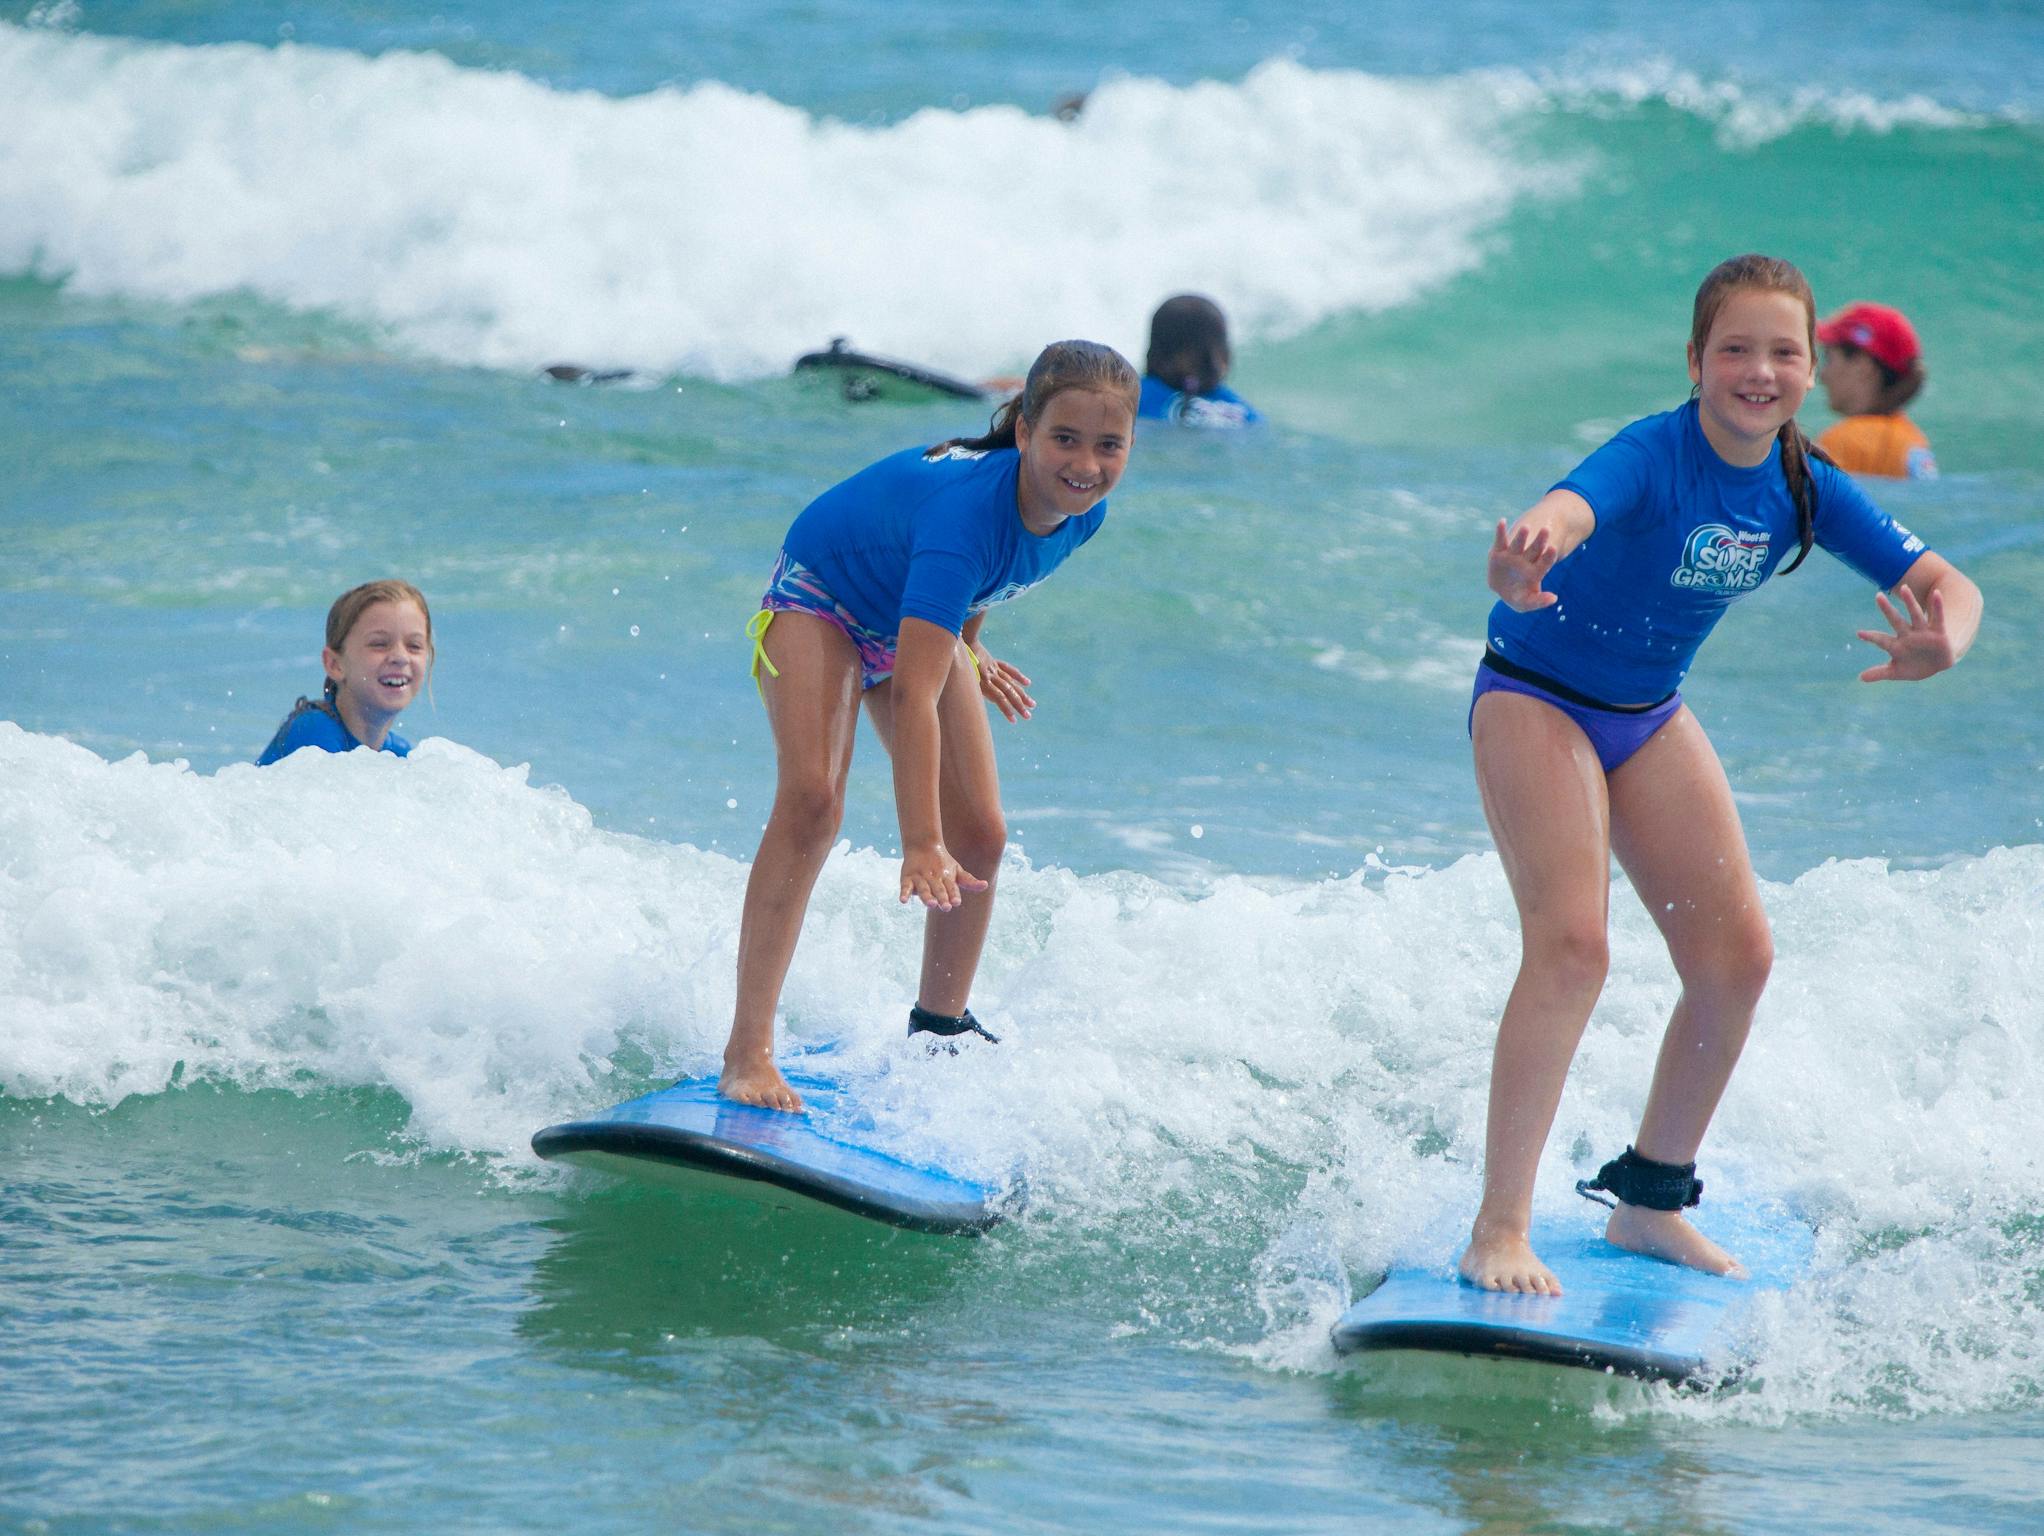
(315, 725)
(1218, 407)
(934, 539)
(1680, 536)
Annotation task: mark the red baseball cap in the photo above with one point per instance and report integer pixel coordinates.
(1876, 329)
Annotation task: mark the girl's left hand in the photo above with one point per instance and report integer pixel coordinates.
(1920, 646)
(1005, 685)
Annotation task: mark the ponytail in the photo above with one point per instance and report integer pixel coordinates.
(1058, 367)
(1000, 432)
(1796, 452)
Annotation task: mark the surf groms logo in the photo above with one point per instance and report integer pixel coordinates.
(1722, 559)
(1012, 590)
(1198, 411)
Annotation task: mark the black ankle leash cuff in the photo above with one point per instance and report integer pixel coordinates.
(921, 1020)
(1636, 1180)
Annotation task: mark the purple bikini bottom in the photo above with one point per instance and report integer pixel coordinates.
(1615, 732)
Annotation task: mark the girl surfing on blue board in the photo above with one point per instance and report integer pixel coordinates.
(1584, 748)
(880, 592)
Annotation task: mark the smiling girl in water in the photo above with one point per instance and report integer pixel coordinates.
(379, 652)
(1584, 748)
(879, 595)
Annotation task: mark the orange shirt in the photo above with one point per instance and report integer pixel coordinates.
(1880, 445)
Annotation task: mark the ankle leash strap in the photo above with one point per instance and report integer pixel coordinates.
(921, 1020)
(1636, 1180)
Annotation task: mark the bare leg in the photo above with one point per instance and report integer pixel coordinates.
(1676, 831)
(975, 832)
(813, 709)
(1544, 796)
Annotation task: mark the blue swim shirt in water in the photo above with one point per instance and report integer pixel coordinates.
(1218, 407)
(1680, 536)
(934, 539)
(316, 725)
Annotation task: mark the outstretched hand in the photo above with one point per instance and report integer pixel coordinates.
(936, 879)
(1920, 646)
(1518, 564)
(1005, 685)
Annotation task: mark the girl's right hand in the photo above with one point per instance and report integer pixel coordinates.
(936, 879)
(1006, 686)
(1517, 566)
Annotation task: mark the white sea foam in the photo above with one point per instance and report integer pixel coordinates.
(1745, 116)
(445, 930)
(483, 217)
(1889, 1095)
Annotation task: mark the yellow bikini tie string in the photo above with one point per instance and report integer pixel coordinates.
(755, 631)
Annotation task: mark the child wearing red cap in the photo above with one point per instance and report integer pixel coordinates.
(1872, 368)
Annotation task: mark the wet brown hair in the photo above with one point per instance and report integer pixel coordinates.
(1189, 344)
(1058, 367)
(349, 607)
(1769, 274)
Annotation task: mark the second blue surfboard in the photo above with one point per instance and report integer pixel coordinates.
(1618, 1311)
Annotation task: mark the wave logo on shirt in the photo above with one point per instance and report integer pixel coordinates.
(1198, 411)
(956, 451)
(1721, 559)
(1012, 589)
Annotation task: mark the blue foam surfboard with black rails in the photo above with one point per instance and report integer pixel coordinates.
(688, 1135)
(1618, 1312)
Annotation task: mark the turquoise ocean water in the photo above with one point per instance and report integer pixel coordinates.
(276, 284)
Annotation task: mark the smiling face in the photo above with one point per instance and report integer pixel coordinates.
(1753, 371)
(381, 664)
(1072, 455)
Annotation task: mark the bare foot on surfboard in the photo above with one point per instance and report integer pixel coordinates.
(759, 1083)
(1668, 1235)
(1499, 1260)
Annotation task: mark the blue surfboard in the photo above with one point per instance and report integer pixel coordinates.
(690, 1136)
(1619, 1312)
